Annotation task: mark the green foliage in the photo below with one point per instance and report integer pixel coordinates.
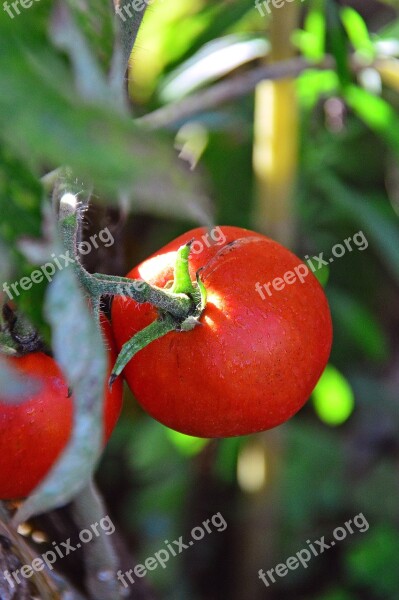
(369, 562)
(60, 106)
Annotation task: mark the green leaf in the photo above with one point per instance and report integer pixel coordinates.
(376, 217)
(218, 19)
(338, 42)
(96, 22)
(380, 116)
(14, 387)
(103, 146)
(333, 397)
(187, 445)
(79, 350)
(20, 199)
(360, 324)
(357, 31)
(312, 39)
(312, 84)
(215, 60)
(89, 78)
(373, 561)
(21, 196)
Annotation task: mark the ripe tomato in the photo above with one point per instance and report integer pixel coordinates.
(253, 362)
(33, 434)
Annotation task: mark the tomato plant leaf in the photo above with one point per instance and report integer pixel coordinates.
(15, 389)
(79, 350)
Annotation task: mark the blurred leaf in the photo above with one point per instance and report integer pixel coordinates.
(20, 199)
(90, 80)
(382, 476)
(390, 30)
(96, 142)
(172, 44)
(312, 454)
(14, 387)
(323, 275)
(226, 462)
(378, 114)
(312, 39)
(372, 562)
(376, 217)
(338, 42)
(186, 445)
(313, 84)
(360, 324)
(357, 31)
(220, 18)
(149, 450)
(337, 594)
(215, 60)
(79, 350)
(96, 21)
(333, 397)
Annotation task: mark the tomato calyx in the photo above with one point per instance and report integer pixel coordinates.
(167, 322)
(18, 337)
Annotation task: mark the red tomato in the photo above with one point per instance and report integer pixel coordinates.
(253, 361)
(33, 434)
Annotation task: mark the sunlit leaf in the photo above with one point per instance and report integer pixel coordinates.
(357, 31)
(333, 397)
(380, 116)
(216, 59)
(186, 444)
(312, 39)
(312, 84)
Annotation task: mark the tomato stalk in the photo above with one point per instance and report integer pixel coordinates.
(166, 322)
(17, 336)
(180, 306)
(97, 284)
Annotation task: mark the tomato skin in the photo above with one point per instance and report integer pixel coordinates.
(33, 434)
(253, 363)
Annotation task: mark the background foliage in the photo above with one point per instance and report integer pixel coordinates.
(338, 457)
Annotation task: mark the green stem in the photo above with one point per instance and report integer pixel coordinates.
(182, 280)
(177, 304)
(154, 331)
(180, 306)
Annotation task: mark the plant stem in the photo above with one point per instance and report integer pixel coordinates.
(228, 91)
(101, 561)
(176, 304)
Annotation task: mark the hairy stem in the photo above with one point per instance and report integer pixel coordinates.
(176, 304)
